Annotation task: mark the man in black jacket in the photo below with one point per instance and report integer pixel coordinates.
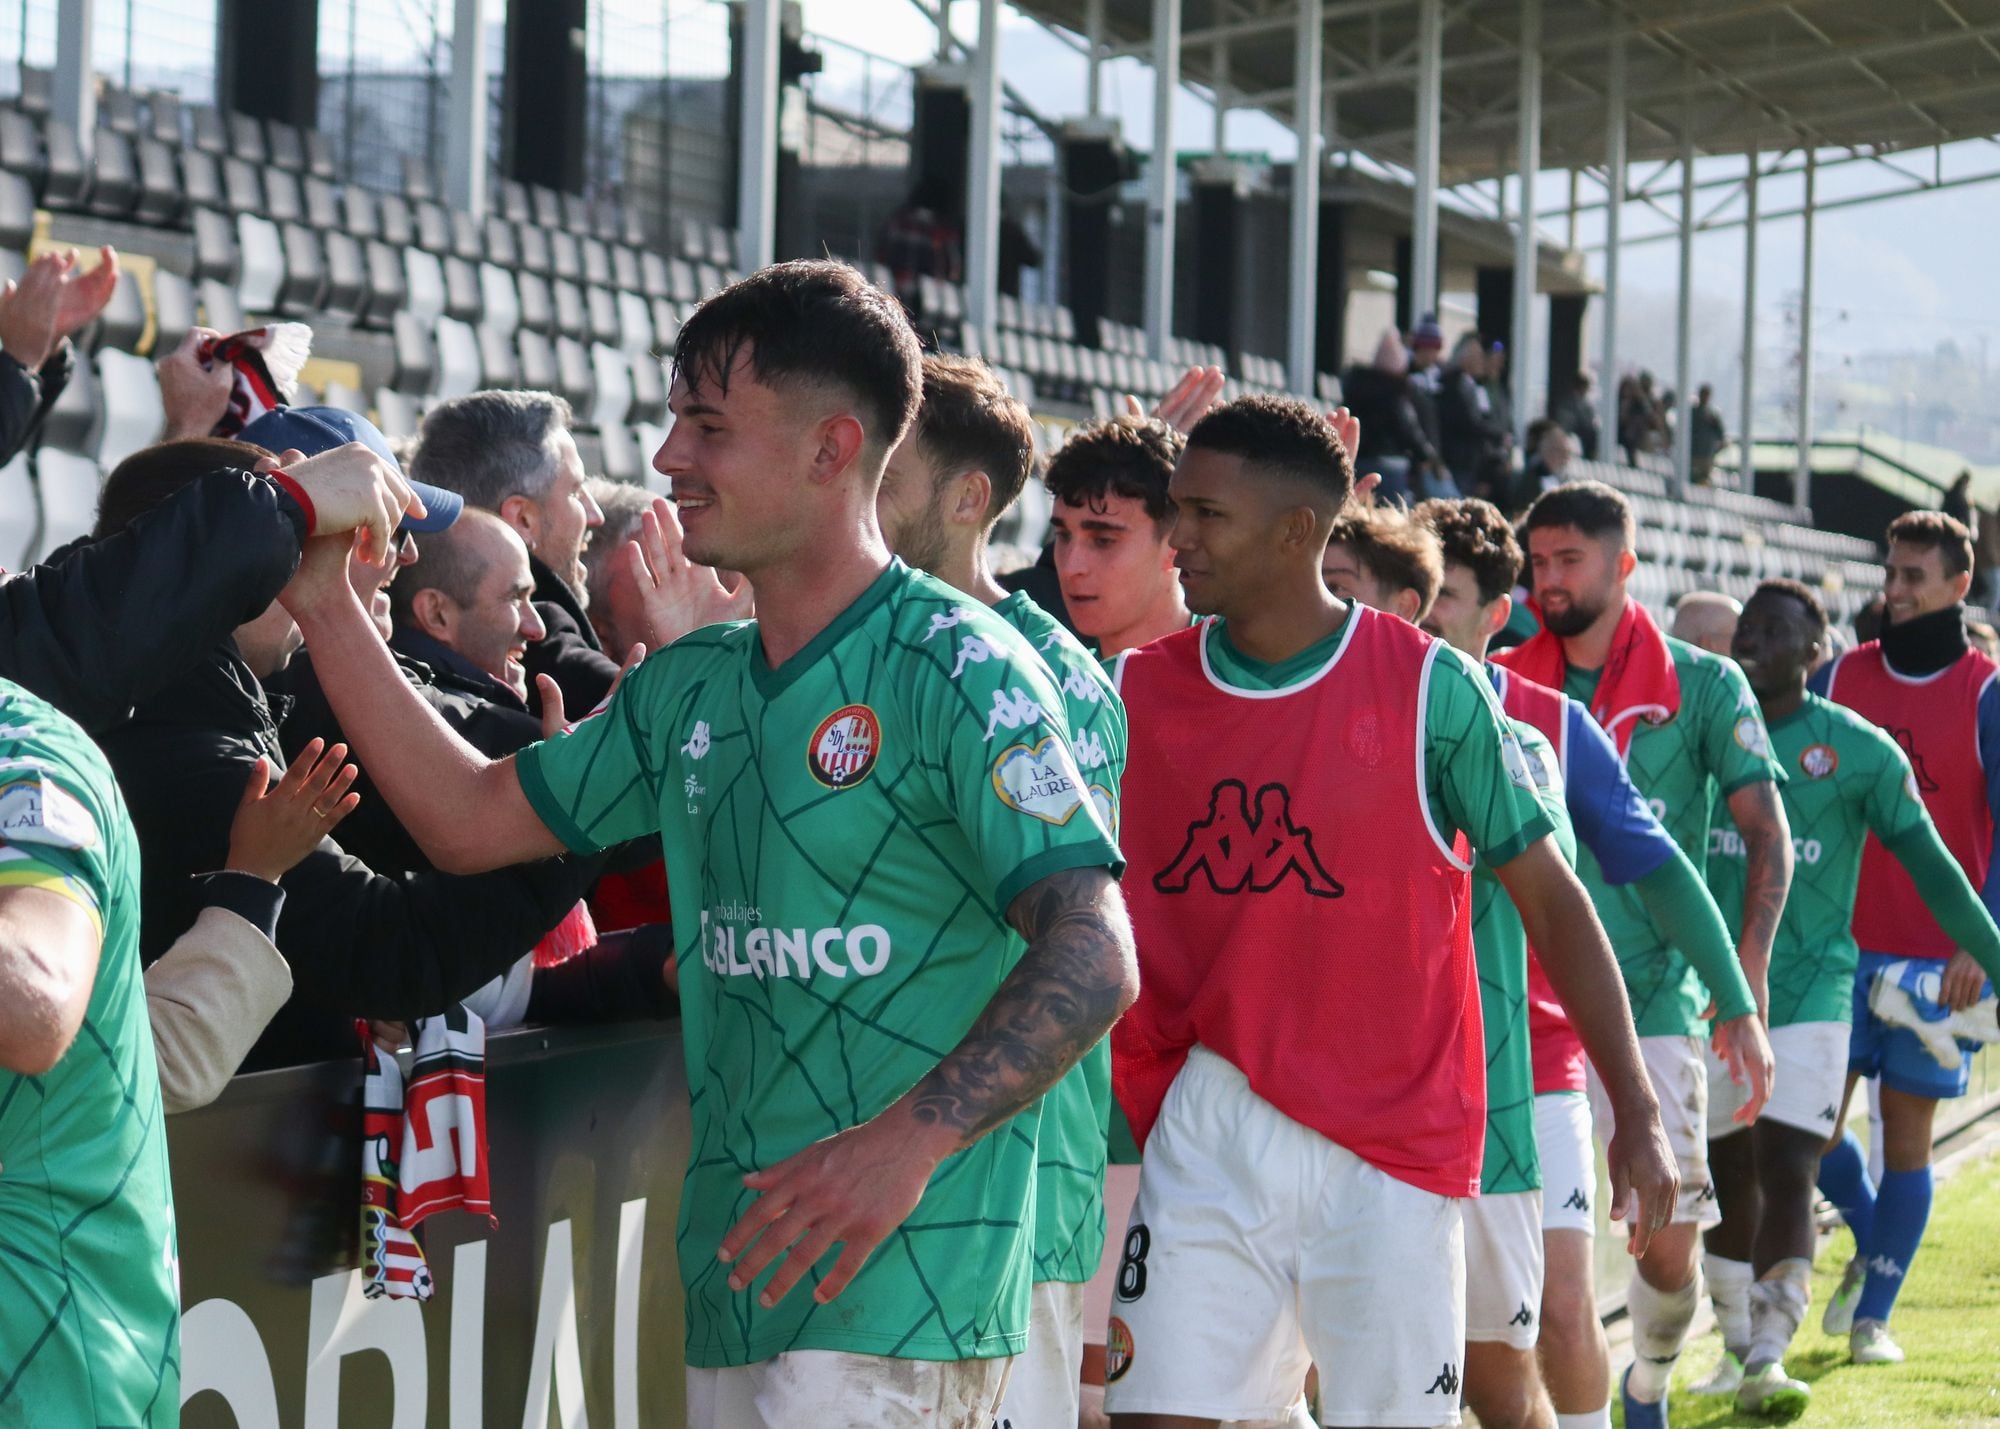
(361, 943)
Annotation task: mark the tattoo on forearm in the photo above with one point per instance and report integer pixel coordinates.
(1064, 994)
(1767, 873)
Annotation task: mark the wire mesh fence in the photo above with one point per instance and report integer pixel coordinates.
(384, 74)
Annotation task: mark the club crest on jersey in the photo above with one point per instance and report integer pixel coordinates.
(845, 747)
(1819, 760)
(1040, 780)
(1750, 734)
(1117, 1351)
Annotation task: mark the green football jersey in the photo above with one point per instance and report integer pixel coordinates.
(89, 1272)
(1848, 779)
(1076, 1114)
(1714, 745)
(1500, 948)
(843, 837)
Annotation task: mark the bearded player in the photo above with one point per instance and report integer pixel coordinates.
(1689, 731)
(1306, 783)
(961, 466)
(1849, 783)
(893, 896)
(1937, 697)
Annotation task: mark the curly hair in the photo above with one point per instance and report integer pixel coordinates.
(1124, 456)
(1473, 534)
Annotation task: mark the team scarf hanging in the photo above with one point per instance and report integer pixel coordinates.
(423, 1148)
(1638, 683)
(266, 362)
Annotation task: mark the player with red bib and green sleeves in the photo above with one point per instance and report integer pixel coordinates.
(1688, 728)
(893, 895)
(963, 464)
(1938, 698)
(1305, 1070)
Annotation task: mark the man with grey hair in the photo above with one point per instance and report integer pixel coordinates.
(1707, 618)
(616, 608)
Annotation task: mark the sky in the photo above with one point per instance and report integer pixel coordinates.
(1905, 274)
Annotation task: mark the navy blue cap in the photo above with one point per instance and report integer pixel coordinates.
(313, 430)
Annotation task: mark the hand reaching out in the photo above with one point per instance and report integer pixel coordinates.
(554, 719)
(51, 301)
(678, 595)
(194, 393)
(1186, 402)
(273, 831)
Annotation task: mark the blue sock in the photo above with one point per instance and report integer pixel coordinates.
(1843, 1180)
(1902, 1209)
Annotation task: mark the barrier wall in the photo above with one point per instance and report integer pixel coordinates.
(570, 1304)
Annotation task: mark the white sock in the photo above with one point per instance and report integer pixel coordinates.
(1660, 1320)
(1596, 1419)
(1777, 1304)
(1729, 1284)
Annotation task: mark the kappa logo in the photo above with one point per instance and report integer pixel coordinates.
(1051, 640)
(949, 620)
(1446, 1382)
(977, 650)
(697, 744)
(1907, 741)
(1819, 760)
(1523, 1316)
(1829, 1115)
(1012, 709)
(1707, 1192)
(1883, 1266)
(1239, 852)
(1079, 686)
(1577, 1200)
(1089, 751)
(845, 747)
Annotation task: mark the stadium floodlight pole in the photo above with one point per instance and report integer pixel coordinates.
(982, 207)
(1614, 222)
(1527, 251)
(1218, 140)
(757, 181)
(1430, 99)
(1093, 35)
(1802, 474)
(1745, 467)
(1684, 308)
(73, 87)
(1302, 325)
(465, 134)
(1163, 182)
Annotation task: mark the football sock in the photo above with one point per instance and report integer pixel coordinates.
(1777, 1304)
(1902, 1208)
(1660, 1320)
(1596, 1419)
(1844, 1180)
(1729, 1291)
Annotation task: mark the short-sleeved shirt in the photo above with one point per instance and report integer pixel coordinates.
(89, 1270)
(1500, 947)
(1847, 779)
(1714, 745)
(843, 837)
(1076, 1114)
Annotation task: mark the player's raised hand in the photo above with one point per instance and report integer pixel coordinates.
(1186, 402)
(1645, 1179)
(1746, 1051)
(1347, 427)
(554, 720)
(679, 595)
(851, 1189)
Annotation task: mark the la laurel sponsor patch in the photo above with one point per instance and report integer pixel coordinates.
(1819, 760)
(34, 809)
(845, 747)
(1040, 780)
(1750, 734)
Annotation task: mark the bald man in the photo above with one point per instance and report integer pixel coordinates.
(1707, 618)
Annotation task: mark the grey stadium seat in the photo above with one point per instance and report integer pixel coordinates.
(612, 376)
(133, 416)
(283, 202)
(574, 379)
(319, 155)
(499, 366)
(71, 425)
(458, 357)
(538, 304)
(538, 360)
(211, 133)
(649, 389)
(386, 289)
(220, 307)
(359, 212)
(433, 226)
(416, 356)
(621, 461)
(502, 246)
(201, 179)
(468, 241)
(17, 212)
(635, 321)
(305, 270)
(69, 483)
(160, 184)
(395, 413)
(565, 257)
(287, 146)
(114, 180)
(21, 147)
(397, 225)
(572, 317)
(123, 320)
(68, 182)
(173, 310)
(499, 299)
(346, 272)
(246, 138)
(462, 297)
(425, 278)
(601, 305)
(243, 185)
(533, 243)
(263, 276)
(163, 118)
(215, 251)
(322, 203)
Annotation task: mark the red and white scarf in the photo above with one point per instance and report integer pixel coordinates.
(267, 363)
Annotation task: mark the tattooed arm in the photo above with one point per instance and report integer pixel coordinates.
(1078, 974)
(1767, 857)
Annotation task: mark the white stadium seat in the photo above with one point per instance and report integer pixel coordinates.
(133, 416)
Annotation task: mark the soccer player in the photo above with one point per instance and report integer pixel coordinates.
(1937, 697)
(1306, 783)
(962, 464)
(893, 899)
(89, 1293)
(1689, 730)
(1384, 560)
(1849, 781)
(1111, 521)
(1520, 1253)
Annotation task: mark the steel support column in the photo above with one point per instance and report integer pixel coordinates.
(1218, 141)
(1614, 223)
(1302, 318)
(1528, 153)
(1746, 402)
(1684, 311)
(73, 88)
(1802, 475)
(1162, 179)
(466, 127)
(1424, 220)
(757, 183)
(982, 198)
(1093, 35)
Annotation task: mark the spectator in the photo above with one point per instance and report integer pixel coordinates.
(466, 607)
(1475, 445)
(617, 613)
(922, 239)
(1393, 440)
(1642, 424)
(1957, 504)
(1426, 373)
(38, 313)
(1499, 394)
(1706, 436)
(1550, 451)
(1707, 618)
(1576, 413)
(361, 944)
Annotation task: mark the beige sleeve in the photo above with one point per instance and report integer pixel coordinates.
(209, 998)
